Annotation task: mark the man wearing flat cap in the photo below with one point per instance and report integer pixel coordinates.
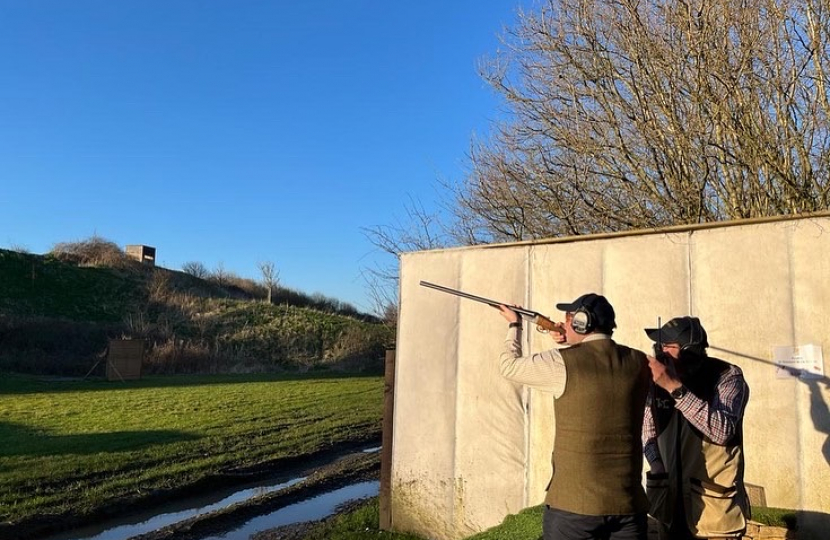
(600, 388)
(693, 437)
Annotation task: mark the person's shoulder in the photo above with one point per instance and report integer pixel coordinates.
(734, 377)
(625, 349)
(620, 345)
(734, 371)
(728, 370)
(726, 366)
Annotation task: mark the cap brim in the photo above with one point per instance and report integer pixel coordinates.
(566, 307)
(667, 335)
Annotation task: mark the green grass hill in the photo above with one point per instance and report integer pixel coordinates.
(58, 312)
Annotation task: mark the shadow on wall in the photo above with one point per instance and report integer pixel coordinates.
(814, 524)
(819, 409)
(819, 412)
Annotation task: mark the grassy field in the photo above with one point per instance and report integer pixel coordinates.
(78, 446)
(73, 447)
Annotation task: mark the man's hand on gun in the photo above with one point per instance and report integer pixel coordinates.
(664, 374)
(512, 317)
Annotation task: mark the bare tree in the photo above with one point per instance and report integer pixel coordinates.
(195, 269)
(630, 113)
(220, 275)
(419, 231)
(625, 114)
(270, 276)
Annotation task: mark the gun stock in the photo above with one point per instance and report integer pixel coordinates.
(538, 319)
(546, 324)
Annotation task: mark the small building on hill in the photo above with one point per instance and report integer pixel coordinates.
(143, 254)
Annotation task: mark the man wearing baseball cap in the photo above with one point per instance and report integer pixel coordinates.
(693, 437)
(600, 388)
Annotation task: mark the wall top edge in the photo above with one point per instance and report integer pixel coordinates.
(672, 229)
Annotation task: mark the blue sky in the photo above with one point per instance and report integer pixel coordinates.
(233, 132)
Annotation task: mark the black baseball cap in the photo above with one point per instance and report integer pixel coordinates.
(680, 330)
(598, 306)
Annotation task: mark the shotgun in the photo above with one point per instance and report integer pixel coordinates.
(658, 345)
(659, 353)
(542, 323)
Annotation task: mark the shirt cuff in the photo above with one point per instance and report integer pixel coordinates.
(652, 453)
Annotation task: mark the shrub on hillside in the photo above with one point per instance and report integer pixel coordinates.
(175, 356)
(94, 251)
(286, 296)
(245, 287)
(359, 347)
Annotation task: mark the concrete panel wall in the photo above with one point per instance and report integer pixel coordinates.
(491, 410)
(425, 403)
(464, 426)
(811, 314)
(471, 448)
(746, 271)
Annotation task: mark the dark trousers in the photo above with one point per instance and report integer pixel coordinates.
(561, 525)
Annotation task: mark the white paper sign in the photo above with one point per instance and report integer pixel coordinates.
(804, 361)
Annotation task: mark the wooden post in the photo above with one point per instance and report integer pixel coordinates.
(385, 506)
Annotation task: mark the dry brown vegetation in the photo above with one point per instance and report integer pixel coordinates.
(59, 312)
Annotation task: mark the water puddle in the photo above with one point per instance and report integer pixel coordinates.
(139, 523)
(309, 510)
(142, 523)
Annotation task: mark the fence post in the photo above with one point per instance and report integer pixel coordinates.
(385, 506)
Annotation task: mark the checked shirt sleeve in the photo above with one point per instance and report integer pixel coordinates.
(718, 420)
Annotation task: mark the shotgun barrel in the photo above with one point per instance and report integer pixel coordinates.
(540, 320)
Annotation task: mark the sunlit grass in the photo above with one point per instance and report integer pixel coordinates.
(361, 523)
(526, 525)
(777, 517)
(75, 446)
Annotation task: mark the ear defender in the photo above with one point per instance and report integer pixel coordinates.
(695, 344)
(582, 321)
(692, 335)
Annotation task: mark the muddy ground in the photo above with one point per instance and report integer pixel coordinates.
(358, 467)
(298, 531)
(333, 468)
